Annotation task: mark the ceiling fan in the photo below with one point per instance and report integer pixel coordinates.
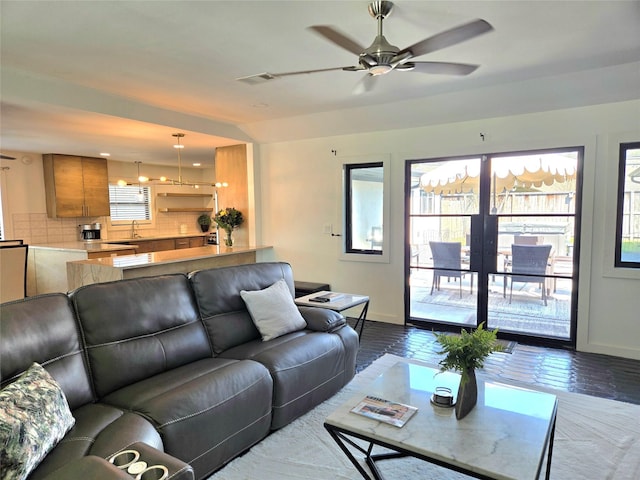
(381, 57)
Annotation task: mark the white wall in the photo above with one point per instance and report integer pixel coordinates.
(300, 192)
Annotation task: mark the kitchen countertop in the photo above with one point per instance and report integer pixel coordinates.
(125, 262)
(83, 246)
(186, 260)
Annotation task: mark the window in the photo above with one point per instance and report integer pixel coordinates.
(628, 221)
(364, 213)
(129, 203)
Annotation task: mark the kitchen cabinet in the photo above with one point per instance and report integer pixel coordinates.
(146, 246)
(76, 186)
(189, 242)
(92, 255)
(182, 243)
(196, 242)
(163, 244)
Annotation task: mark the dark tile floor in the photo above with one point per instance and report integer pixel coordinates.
(591, 374)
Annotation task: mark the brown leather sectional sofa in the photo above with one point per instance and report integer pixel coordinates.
(174, 366)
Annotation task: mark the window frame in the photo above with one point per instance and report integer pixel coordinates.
(349, 169)
(620, 201)
(148, 192)
(366, 255)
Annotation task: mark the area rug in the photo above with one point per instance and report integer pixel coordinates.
(596, 439)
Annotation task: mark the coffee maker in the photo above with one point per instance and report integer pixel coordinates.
(89, 231)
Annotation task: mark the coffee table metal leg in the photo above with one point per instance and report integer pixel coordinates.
(342, 440)
(362, 318)
(550, 451)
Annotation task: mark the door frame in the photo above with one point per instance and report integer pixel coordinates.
(478, 263)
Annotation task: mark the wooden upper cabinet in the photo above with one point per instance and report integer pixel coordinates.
(76, 186)
(95, 180)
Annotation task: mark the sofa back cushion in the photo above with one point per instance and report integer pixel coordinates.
(223, 311)
(134, 329)
(43, 329)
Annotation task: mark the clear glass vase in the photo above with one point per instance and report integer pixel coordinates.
(228, 240)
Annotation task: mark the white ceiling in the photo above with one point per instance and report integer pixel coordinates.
(122, 76)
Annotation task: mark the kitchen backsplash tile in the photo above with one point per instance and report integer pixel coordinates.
(38, 228)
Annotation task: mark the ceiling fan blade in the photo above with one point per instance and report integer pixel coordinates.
(6, 157)
(266, 76)
(338, 38)
(304, 72)
(448, 38)
(366, 84)
(444, 68)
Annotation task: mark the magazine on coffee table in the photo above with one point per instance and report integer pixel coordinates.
(393, 413)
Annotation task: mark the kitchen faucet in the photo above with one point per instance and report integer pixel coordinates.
(134, 229)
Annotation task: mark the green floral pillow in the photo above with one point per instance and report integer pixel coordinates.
(34, 416)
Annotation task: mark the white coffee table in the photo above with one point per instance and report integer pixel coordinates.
(506, 436)
(347, 301)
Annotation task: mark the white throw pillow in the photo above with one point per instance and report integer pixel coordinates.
(34, 416)
(273, 311)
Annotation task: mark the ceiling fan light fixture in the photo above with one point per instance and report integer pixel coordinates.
(380, 69)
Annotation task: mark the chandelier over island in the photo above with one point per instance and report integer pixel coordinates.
(180, 181)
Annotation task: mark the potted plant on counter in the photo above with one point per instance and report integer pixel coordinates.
(465, 353)
(204, 221)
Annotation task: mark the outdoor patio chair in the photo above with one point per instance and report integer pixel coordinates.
(447, 262)
(531, 260)
(525, 240)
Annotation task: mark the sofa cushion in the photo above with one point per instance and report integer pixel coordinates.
(43, 329)
(34, 416)
(207, 412)
(273, 311)
(223, 311)
(307, 368)
(135, 329)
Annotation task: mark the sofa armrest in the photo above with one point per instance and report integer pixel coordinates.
(178, 470)
(92, 467)
(321, 319)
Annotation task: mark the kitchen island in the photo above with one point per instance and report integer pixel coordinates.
(86, 272)
(47, 263)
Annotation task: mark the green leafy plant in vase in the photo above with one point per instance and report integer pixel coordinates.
(229, 219)
(465, 353)
(204, 221)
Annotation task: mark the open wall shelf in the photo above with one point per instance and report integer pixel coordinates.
(184, 209)
(187, 195)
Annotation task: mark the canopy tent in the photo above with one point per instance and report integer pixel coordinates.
(463, 176)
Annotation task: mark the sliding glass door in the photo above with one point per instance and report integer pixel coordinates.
(493, 238)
